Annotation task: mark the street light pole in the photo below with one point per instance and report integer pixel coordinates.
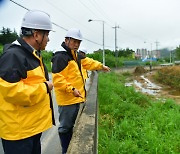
(103, 38)
(103, 46)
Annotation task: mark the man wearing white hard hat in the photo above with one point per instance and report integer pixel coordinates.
(25, 102)
(69, 83)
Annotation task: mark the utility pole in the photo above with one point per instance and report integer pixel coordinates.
(151, 56)
(157, 52)
(116, 52)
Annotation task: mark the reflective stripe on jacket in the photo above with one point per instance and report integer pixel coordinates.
(24, 101)
(67, 75)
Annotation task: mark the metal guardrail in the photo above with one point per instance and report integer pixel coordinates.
(177, 62)
(167, 64)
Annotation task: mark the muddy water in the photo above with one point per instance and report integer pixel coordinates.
(145, 86)
(148, 90)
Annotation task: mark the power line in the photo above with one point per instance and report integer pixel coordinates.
(133, 34)
(55, 23)
(19, 5)
(103, 13)
(59, 26)
(72, 19)
(87, 7)
(58, 9)
(75, 21)
(92, 41)
(108, 19)
(91, 10)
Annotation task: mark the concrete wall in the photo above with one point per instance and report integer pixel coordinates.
(84, 140)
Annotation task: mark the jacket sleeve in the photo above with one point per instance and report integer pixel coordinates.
(91, 64)
(13, 89)
(60, 82)
(59, 74)
(23, 94)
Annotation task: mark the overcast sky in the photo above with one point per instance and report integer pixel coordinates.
(141, 22)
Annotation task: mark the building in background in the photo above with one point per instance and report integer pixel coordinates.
(145, 54)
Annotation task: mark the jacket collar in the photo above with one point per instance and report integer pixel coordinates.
(66, 47)
(68, 50)
(25, 45)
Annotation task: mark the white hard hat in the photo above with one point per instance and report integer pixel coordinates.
(36, 19)
(74, 33)
(82, 49)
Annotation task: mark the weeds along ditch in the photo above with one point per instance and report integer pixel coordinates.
(169, 76)
(130, 122)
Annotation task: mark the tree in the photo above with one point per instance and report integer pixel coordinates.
(7, 36)
(125, 52)
(178, 53)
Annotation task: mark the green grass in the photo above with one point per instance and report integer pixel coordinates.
(1, 49)
(130, 122)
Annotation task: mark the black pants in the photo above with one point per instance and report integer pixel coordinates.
(30, 145)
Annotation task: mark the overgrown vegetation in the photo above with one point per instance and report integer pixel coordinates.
(169, 76)
(113, 59)
(130, 122)
(123, 58)
(47, 56)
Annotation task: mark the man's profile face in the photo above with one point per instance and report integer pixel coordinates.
(42, 37)
(73, 44)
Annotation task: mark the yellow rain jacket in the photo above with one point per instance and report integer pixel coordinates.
(85, 73)
(67, 74)
(24, 102)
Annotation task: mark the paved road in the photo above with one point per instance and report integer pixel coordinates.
(1, 149)
(50, 139)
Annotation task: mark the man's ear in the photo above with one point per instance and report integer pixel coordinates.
(66, 40)
(36, 35)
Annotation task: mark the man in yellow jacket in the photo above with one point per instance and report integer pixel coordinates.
(25, 101)
(83, 52)
(69, 83)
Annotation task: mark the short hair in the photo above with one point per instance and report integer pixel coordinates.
(26, 31)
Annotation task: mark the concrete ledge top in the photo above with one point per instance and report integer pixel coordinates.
(84, 140)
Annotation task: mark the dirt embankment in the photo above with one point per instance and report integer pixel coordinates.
(164, 91)
(144, 80)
